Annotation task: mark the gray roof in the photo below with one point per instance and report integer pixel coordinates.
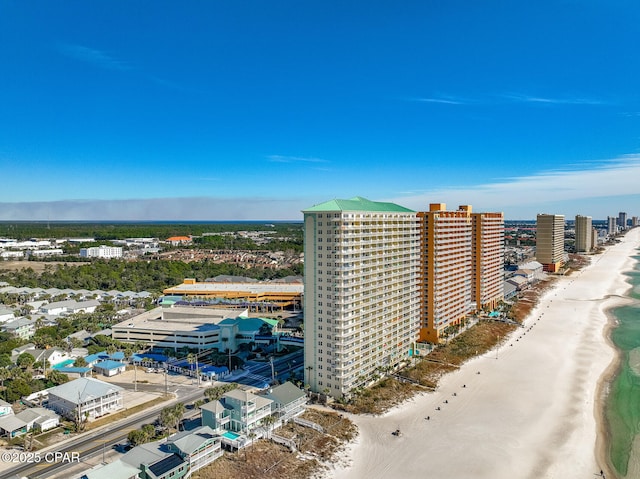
(11, 423)
(4, 403)
(285, 393)
(246, 396)
(28, 415)
(144, 454)
(83, 389)
(214, 406)
(18, 323)
(190, 441)
(114, 470)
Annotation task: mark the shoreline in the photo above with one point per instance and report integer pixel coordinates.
(537, 407)
(603, 438)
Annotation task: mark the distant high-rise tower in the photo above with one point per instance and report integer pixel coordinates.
(594, 238)
(362, 301)
(622, 220)
(584, 233)
(634, 221)
(550, 241)
(612, 227)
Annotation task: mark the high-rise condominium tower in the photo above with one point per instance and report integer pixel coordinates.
(488, 259)
(361, 304)
(462, 261)
(550, 241)
(612, 225)
(622, 220)
(446, 269)
(584, 234)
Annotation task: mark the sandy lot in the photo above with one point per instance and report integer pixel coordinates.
(526, 410)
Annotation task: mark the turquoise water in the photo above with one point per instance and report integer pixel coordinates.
(622, 410)
(231, 435)
(64, 364)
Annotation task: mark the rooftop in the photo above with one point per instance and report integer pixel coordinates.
(83, 389)
(358, 204)
(177, 319)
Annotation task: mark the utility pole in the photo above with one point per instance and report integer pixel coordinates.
(272, 371)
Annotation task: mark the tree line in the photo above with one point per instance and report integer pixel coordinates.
(152, 276)
(121, 230)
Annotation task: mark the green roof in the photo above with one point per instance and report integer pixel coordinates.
(358, 204)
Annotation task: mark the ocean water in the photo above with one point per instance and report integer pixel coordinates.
(622, 409)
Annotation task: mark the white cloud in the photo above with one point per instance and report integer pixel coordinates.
(93, 57)
(537, 193)
(440, 100)
(516, 97)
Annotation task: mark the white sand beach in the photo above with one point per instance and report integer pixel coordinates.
(530, 413)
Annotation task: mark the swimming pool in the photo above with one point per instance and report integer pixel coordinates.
(64, 364)
(231, 435)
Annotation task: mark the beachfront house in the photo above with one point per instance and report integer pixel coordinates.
(236, 411)
(179, 457)
(197, 447)
(288, 400)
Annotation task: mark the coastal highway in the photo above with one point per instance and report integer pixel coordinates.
(92, 443)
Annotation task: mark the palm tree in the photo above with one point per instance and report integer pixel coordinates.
(193, 359)
(269, 421)
(178, 411)
(4, 375)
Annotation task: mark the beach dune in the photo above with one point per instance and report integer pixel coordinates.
(528, 409)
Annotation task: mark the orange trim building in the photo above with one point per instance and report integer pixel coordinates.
(461, 267)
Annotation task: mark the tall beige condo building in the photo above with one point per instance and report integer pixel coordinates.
(584, 234)
(362, 303)
(550, 241)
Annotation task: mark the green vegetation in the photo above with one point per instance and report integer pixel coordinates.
(111, 231)
(152, 276)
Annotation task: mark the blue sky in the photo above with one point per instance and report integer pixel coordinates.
(142, 110)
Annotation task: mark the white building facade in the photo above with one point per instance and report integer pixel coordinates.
(362, 303)
(106, 252)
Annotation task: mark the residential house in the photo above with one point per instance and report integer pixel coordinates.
(6, 314)
(23, 328)
(12, 426)
(70, 307)
(5, 409)
(113, 470)
(85, 397)
(39, 418)
(237, 411)
(198, 447)
(288, 400)
(52, 356)
(519, 282)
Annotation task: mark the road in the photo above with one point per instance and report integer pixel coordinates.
(258, 374)
(95, 442)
